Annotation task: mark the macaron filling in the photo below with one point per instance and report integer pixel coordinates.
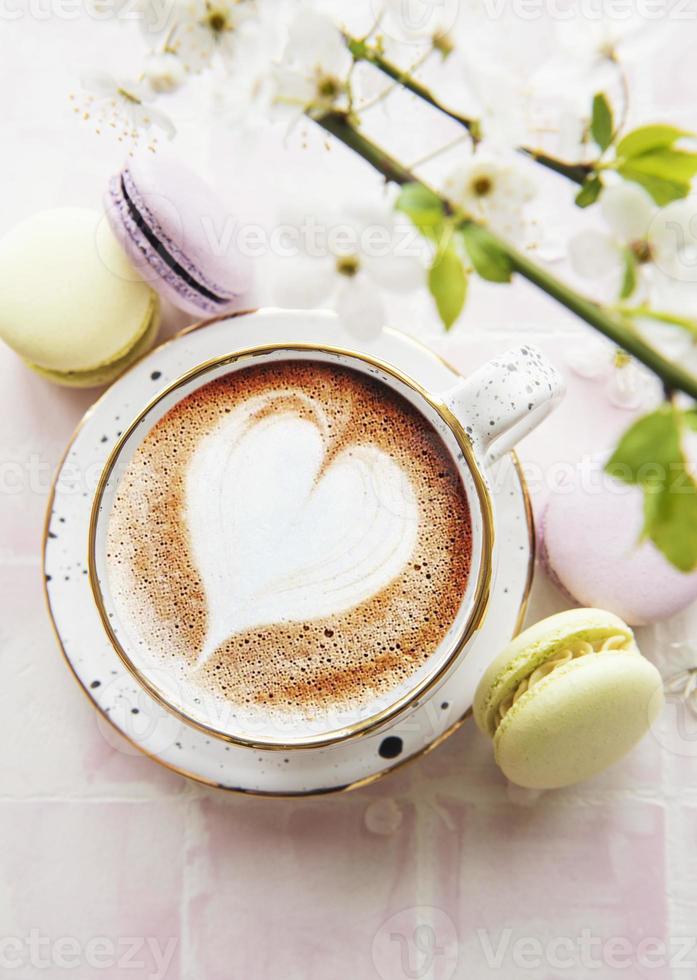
(563, 654)
(161, 250)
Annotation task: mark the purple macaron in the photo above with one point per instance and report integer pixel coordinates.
(178, 234)
(591, 545)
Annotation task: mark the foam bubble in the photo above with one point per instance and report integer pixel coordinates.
(293, 537)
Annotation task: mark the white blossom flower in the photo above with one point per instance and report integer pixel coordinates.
(197, 31)
(520, 796)
(383, 817)
(313, 72)
(345, 263)
(594, 43)
(491, 190)
(242, 98)
(123, 107)
(626, 383)
(659, 246)
(672, 236)
(164, 71)
(677, 663)
(501, 104)
(415, 21)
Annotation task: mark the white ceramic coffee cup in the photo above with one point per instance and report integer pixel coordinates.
(479, 419)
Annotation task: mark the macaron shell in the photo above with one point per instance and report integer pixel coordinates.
(591, 530)
(531, 648)
(578, 720)
(71, 300)
(191, 224)
(108, 372)
(159, 276)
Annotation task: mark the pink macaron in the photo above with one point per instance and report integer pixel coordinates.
(590, 545)
(178, 233)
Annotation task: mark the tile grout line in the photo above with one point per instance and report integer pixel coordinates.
(192, 822)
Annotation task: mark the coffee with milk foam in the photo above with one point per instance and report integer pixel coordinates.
(293, 539)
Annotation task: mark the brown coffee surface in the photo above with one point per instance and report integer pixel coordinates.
(290, 668)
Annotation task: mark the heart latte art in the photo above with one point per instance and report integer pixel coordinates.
(292, 538)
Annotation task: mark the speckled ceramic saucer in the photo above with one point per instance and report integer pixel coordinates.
(132, 710)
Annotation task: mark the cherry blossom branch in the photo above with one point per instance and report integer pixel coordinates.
(361, 51)
(614, 326)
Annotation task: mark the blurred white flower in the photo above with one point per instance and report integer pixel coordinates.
(593, 43)
(241, 92)
(313, 72)
(520, 796)
(660, 247)
(672, 234)
(122, 107)
(491, 190)
(626, 383)
(197, 31)
(677, 663)
(501, 103)
(383, 817)
(345, 263)
(417, 22)
(164, 72)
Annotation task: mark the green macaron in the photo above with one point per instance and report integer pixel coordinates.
(567, 698)
(74, 308)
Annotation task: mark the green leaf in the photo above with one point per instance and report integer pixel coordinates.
(601, 121)
(629, 278)
(649, 138)
(690, 417)
(448, 285)
(661, 190)
(488, 258)
(589, 193)
(649, 157)
(668, 164)
(423, 207)
(650, 456)
(671, 522)
(652, 442)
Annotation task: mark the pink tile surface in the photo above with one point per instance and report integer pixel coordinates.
(102, 842)
(52, 742)
(571, 895)
(330, 881)
(98, 843)
(86, 888)
(533, 886)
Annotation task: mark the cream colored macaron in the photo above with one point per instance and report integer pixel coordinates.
(73, 307)
(567, 698)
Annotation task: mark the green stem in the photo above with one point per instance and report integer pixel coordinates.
(364, 52)
(577, 172)
(361, 51)
(615, 327)
(672, 319)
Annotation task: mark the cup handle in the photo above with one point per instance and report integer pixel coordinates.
(505, 399)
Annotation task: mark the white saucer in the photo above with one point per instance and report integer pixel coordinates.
(145, 723)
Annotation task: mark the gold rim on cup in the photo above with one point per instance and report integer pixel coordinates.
(481, 593)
